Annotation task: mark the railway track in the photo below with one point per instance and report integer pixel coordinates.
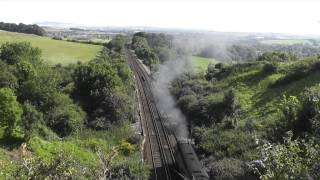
(159, 152)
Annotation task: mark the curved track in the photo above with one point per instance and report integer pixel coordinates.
(159, 153)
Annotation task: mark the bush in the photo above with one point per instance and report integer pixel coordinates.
(231, 103)
(224, 143)
(62, 166)
(294, 159)
(126, 148)
(129, 170)
(308, 120)
(10, 110)
(276, 57)
(65, 118)
(95, 88)
(12, 53)
(7, 79)
(30, 118)
(270, 68)
(289, 107)
(228, 168)
(218, 71)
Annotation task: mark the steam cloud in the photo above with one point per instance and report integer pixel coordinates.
(166, 73)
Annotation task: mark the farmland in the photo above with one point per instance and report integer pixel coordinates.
(286, 41)
(54, 51)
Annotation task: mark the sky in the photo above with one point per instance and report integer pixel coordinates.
(279, 16)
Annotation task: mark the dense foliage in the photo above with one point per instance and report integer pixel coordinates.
(153, 48)
(69, 122)
(239, 116)
(23, 28)
(276, 56)
(10, 110)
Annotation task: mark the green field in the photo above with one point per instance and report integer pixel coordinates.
(202, 63)
(286, 41)
(55, 51)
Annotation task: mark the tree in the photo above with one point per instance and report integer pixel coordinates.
(64, 117)
(276, 57)
(295, 159)
(10, 110)
(289, 106)
(23, 28)
(29, 119)
(97, 87)
(231, 103)
(240, 53)
(12, 53)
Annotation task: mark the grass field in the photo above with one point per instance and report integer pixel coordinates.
(286, 41)
(54, 51)
(202, 63)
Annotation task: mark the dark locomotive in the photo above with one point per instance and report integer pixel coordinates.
(188, 162)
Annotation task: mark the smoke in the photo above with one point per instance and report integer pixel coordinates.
(166, 73)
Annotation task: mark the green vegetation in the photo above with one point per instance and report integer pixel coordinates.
(23, 28)
(67, 122)
(234, 110)
(202, 63)
(286, 41)
(10, 110)
(54, 51)
(153, 48)
(276, 57)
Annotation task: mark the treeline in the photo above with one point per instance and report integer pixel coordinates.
(153, 48)
(64, 105)
(23, 28)
(236, 53)
(250, 51)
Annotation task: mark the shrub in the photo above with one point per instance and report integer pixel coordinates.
(227, 143)
(289, 107)
(228, 168)
(126, 148)
(30, 118)
(95, 86)
(13, 53)
(65, 117)
(270, 68)
(62, 166)
(310, 111)
(7, 79)
(276, 57)
(292, 160)
(129, 170)
(231, 103)
(10, 110)
(250, 126)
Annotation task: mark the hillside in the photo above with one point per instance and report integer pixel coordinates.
(54, 51)
(235, 109)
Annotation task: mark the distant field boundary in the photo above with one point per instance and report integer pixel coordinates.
(55, 51)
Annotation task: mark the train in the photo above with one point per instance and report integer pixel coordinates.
(188, 163)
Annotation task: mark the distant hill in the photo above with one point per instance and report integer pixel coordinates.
(58, 24)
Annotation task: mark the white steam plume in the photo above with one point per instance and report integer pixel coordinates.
(166, 73)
